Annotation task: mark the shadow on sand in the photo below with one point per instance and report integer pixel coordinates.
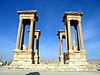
(33, 73)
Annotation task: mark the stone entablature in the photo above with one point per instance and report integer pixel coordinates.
(72, 16)
(28, 14)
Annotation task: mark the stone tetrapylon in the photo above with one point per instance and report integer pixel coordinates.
(75, 54)
(23, 54)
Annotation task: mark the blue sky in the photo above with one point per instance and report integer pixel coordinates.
(50, 13)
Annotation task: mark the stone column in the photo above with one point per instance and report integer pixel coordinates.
(76, 38)
(69, 36)
(37, 51)
(61, 51)
(22, 40)
(19, 35)
(66, 38)
(31, 35)
(81, 35)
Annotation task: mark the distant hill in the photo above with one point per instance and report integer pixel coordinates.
(94, 61)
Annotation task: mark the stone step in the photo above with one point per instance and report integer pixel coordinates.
(52, 67)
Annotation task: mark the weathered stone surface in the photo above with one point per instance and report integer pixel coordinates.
(1, 63)
(25, 58)
(52, 67)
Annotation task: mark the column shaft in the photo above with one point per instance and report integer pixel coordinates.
(60, 43)
(66, 39)
(76, 37)
(69, 35)
(37, 43)
(19, 35)
(37, 47)
(61, 51)
(22, 40)
(81, 35)
(37, 51)
(31, 35)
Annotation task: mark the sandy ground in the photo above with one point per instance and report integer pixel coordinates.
(13, 72)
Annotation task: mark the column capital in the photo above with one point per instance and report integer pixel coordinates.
(20, 19)
(32, 20)
(79, 21)
(37, 37)
(60, 37)
(68, 20)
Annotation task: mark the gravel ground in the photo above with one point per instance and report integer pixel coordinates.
(20, 72)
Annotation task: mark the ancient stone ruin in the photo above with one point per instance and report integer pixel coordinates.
(74, 54)
(26, 54)
(73, 59)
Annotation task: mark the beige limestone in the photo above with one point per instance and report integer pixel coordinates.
(76, 53)
(81, 36)
(1, 63)
(25, 54)
(61, 35)
(19, 35)
(30, 46)
(37, 35)
(26, 58)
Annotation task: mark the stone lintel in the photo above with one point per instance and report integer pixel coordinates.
(61, 32)
(71, 13)
(29, 12)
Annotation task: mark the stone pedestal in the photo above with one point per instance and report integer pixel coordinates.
(36, 59)
(23, 57)
(61, 58)
(77, 58)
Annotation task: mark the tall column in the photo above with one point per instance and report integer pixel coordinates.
(37, 51)
(76, 37)
(19, 35)
(31, 35)
(81, 35)
(22, 40)
(61, 51)
(69, 36)
(66, 38)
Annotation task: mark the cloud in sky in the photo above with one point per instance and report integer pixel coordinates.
(50, 14)
(91, 29)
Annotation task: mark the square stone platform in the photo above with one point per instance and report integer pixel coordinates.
(23, 57)
(77, 57)
(52, 67)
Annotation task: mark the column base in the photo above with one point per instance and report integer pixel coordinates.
(71, 50)
(23, 57)
(36, 59)
(61, 59)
